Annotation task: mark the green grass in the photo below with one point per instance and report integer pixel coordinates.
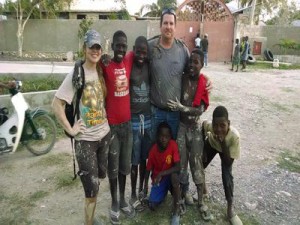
(279, 107)
(262, 65)
(57, 160)
(17, 207)
(297, 106)
(65, 179)
(287, 89)
(289, 161)
(34, 84)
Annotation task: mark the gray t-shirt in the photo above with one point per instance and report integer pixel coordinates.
(91, 106)
(140, 90)
(166, 69)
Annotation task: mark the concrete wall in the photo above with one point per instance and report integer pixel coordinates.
(61, 35)
(273, 34)
(42, 99)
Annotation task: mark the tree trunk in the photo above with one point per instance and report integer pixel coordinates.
(252, 12)
(20, 40)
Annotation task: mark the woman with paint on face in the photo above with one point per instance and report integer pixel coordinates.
(91, 132)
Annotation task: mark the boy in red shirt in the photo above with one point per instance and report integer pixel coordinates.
(164, 164)
(116, 75)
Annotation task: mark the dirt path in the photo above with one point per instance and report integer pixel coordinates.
(263, 105)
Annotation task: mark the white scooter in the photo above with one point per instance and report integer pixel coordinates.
(34, 128)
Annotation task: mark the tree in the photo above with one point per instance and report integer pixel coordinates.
(24, 9)
(84, 26)
(259, 5)
(155, 10)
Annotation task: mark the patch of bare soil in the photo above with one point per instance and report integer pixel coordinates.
(263, 105)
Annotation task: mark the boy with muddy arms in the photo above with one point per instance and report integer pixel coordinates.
(164, 165)
(194, 101)
(222, 139)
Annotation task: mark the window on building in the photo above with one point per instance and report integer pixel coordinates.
(103, 17)
(81, 16)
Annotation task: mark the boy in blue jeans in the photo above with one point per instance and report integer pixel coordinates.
(164, 165)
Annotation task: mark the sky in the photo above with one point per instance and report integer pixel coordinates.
(133, 6)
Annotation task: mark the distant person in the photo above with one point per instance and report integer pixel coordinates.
(140, 107)
(91, 138)
(245, 53)
(164, 165)
(198, 41)
(223, 139)
(204, 47)
(236, 56)
(194, 101)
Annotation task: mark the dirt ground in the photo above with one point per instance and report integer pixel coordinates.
(263, 105)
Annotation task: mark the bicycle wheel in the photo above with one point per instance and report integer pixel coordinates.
(43, 141)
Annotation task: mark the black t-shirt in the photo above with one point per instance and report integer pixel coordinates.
(140, 90)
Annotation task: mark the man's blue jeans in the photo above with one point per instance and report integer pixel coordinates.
(160, 115)
(205, 58)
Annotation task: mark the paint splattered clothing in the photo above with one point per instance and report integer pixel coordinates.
(91, 147)
(161, 161)
(92, 162)
(118, 113)
(189, 138)
(91, 106)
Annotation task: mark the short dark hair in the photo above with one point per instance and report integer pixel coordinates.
(167, 11)
(118, 34)
(200, 53)
(161, 126)
(141, 40)
(220, 111)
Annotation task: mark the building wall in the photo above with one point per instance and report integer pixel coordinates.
(61, 35)
(272, 34)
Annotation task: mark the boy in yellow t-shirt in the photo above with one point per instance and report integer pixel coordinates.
(222, 139)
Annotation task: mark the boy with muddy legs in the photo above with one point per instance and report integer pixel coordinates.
(116, 75)
(140, 117)
(194, 101)
(91, 132)
(236, 56)
(222, 139)
(164, 165)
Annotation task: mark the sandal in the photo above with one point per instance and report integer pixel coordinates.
(115, 217)
(182, 207)
(128, 211)
(175, 220)
(206, 215)
(137, 205)
(235, 220)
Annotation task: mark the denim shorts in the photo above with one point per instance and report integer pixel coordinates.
(120, 149)
(142, 137)
(92, 162)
